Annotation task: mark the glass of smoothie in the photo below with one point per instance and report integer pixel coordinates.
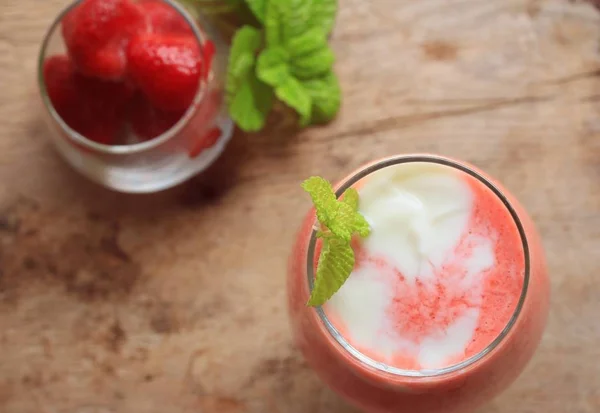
(133, 92)
(448, 297)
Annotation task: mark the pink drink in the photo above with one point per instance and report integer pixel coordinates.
(447, 300)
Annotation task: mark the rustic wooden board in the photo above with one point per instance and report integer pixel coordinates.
(175, 302)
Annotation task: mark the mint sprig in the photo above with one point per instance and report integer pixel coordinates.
(249, 99)
(339, 220)
(285, 55)
(335, 266)
(258, 8)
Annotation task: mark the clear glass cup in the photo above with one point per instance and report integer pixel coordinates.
(165, 160)
(378, 388)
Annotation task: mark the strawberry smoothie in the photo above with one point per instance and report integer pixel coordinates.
(448, 297)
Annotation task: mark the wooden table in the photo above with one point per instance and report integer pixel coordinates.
(175, 302)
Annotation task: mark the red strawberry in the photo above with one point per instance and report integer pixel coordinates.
(58, 77)
(96, 33)
(208, 53)
(166, 68)
(164, 18)
(208, 140)
(200, 135)
(149, 122)
(94, 108)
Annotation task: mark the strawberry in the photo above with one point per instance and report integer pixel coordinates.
(96, 33)
(149, 122)
(164, 18)
(201, 135)
(58, 77)
(208, 140)
(95, 108)
(208, 53)
(166, 68)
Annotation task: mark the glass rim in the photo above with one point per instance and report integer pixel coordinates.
(381, 367)
(118, 149)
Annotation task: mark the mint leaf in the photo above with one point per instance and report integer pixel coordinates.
(241, 58)
(295, 54)
(285, 19)
(293, 94)
(272, 66)
(323, 197)
(246, 40)
(338, 216)
(315, 64)
(310, 56)
(342, 221)
(252, 103)
(339, 220)
(237, 72)
(275, 18)
(249, 99)
(335, 266)
(323, 14)
(258, 8)
(307, 42)
(298, 17)
(350, 197)
(326, 97)
(360, 225)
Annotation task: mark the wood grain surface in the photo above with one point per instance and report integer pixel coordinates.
(175, 302)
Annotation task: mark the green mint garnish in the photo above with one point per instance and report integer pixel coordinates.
(326, 97)
(249, 99)
(335, 265)
(280, 51)
(339, 220)
(258, 8)
(323, 14)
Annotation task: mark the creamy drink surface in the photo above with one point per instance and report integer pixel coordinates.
(440, 275)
